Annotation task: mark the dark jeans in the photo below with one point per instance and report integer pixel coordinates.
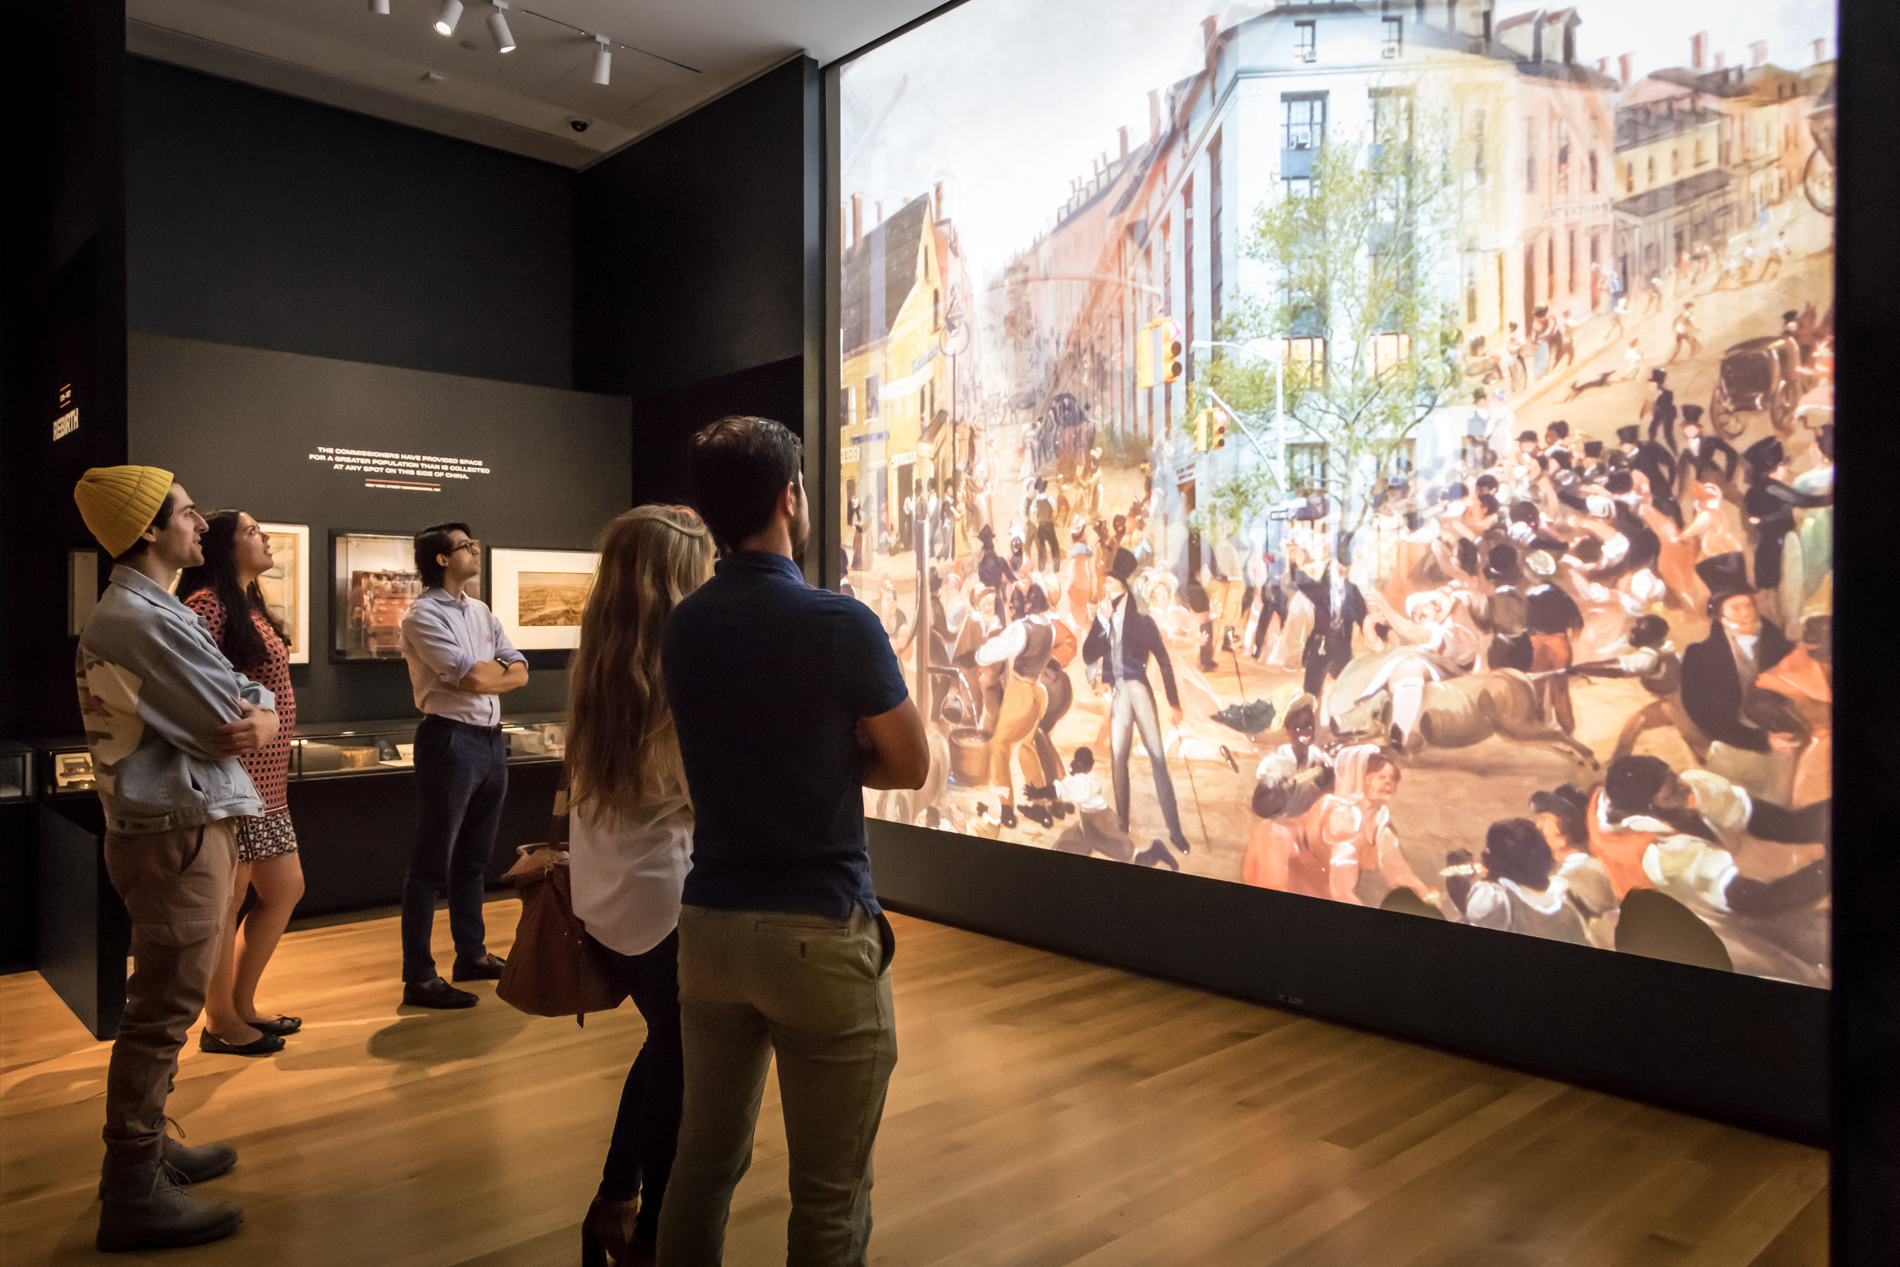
(640, 1158)
(461, 781)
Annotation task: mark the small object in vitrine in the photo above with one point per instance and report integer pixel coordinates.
(359, 758)
(72, 772)
(318, 758)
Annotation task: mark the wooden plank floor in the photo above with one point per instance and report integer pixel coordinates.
(1043, 1112)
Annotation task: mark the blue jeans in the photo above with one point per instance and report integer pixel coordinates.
(640, 1158)
(461, 781)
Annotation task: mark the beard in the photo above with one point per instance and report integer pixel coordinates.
(801, 537)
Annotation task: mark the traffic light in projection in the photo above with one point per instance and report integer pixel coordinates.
(1168, 349)
(1158, 354)
(1210, 430)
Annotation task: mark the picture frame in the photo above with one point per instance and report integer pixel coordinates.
(373, 583)
(286, 587)
(538, 595)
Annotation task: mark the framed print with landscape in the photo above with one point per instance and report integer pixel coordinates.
(539, 595)
(287, 585)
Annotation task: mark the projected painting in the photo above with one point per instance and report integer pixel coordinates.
(1381, 453)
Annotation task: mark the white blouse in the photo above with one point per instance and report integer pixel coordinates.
(628, 873)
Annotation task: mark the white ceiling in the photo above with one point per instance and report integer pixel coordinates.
(397, 67)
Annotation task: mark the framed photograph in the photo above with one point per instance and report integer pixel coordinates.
(539, 595)
(287, 585)
(375, 581)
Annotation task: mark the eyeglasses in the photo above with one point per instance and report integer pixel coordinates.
(470, 544)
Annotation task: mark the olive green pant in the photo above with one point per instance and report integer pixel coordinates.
(176, 886)
(817, 993)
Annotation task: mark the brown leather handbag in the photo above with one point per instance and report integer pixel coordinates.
(554, 967)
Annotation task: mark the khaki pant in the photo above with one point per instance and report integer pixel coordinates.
(1024, 701)
(817, 993)
(176, 886)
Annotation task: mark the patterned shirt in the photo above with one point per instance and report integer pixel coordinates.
(268, 766)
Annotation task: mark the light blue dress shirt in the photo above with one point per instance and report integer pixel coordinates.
(442, 639)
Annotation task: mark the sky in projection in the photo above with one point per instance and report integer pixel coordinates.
(1007, 102)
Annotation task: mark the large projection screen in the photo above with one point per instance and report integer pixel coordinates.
(1380, 452)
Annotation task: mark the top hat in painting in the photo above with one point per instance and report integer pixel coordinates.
(1628, 435)
(1764, 455)
(1692, 413)
(1659, 377)
(1123, 567)
(986, 534)
(1726, 575)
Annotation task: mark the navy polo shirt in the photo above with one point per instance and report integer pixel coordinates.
(767, 678)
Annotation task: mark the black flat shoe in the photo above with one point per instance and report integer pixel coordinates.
(436, 993)
(283, 1026)
(487, 968)
(263, 1045)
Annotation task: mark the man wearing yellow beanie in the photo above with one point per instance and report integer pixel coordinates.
(165, 715)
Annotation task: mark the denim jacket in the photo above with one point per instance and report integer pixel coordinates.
(152, 687)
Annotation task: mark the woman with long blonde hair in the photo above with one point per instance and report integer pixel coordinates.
(630, 832)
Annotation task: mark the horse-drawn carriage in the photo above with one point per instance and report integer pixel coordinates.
(1758, 376)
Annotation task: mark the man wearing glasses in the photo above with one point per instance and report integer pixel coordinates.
(460, 661)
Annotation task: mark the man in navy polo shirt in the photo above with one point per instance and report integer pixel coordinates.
(788, 700)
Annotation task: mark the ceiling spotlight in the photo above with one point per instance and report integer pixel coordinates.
(498, 27)
(603, 61)
(379, 6)
(451, 14)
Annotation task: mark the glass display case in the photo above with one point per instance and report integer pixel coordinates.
(16, 772)
(344, 748)
(320, 750)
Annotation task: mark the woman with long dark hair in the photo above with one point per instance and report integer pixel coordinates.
(630, 835)
(224, 590)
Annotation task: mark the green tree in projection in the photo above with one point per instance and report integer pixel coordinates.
(1365, 256)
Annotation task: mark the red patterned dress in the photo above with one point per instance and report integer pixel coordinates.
(270, 834)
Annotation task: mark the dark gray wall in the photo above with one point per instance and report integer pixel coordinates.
(1864, 1195)
(690, 245)
(260, 220)
(238, 427)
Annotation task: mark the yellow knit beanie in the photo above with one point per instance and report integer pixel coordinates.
(119, 503)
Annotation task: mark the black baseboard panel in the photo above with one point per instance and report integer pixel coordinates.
(1721, 1045)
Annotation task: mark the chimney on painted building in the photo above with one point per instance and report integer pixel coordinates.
(877, 214)
(1625, 68)
(1758, 53)
(940, 214)
(1699, 51)
(857, 220)
(1820, 50)
(1154, 110)
(1123, 133)
(1721, 61)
